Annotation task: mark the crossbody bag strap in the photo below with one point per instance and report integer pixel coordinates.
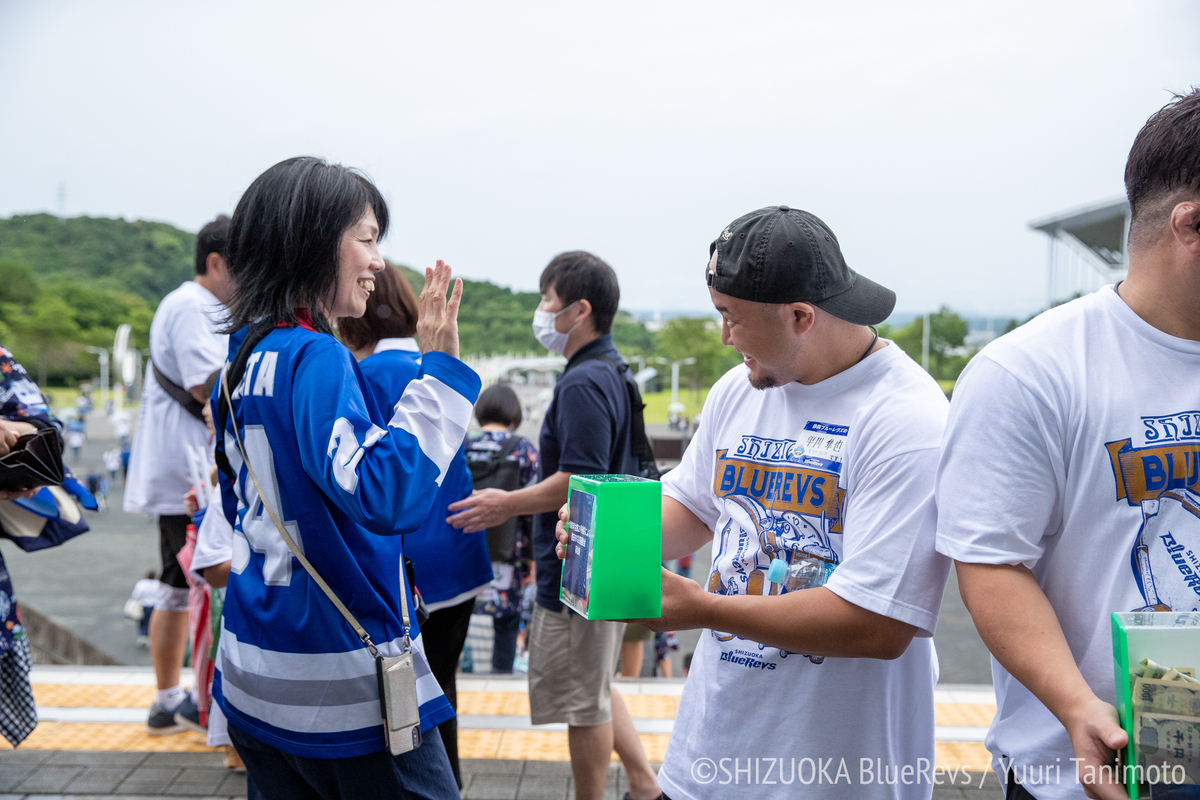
(359, 630)
(177, 393)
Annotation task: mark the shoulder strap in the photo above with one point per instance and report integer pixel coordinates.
(639, 443)
(359, 630)
(510, 444)
(178, 393)
(617, 364)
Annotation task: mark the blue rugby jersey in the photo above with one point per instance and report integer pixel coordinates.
(343, 477)
(451, 566)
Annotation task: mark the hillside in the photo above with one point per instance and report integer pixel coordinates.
(492, 319)
(66, 284)
(147, 259)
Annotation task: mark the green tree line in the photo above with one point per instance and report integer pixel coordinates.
(66, 284)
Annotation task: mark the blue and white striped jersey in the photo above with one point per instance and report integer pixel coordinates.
(451, 566)
(344, 477)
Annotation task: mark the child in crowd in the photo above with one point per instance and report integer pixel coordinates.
(489, 449)
(140, 604)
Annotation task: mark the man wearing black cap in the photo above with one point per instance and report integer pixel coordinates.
(814, 466)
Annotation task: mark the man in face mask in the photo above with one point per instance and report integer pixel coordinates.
(586, 431)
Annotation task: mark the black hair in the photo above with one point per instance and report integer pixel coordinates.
(212, 238)
(499, 403)
(579, 275)
(391, 312)
(1163, 167)
(285, 237)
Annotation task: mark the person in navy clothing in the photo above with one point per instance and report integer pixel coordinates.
(450, 568)
(341, 473)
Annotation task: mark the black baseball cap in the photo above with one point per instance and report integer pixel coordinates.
(779, 254)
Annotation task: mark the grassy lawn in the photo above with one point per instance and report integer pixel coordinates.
(64, 397)
(656, 404)
(61, 396)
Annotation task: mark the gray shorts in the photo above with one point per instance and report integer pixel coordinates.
(571, 664)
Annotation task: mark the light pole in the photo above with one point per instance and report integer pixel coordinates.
(677, 407)
(120, 355)
(103, 356)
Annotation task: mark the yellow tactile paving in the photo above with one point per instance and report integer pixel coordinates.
(537, 745)
(533, 746)
(516, 704)
(964, 715)
(508, 704)
(655, 745)
(107, 736)
(187, 742)
(78, 736)
(651, 706)
(66, 695)
(490, 744)
(478, 744)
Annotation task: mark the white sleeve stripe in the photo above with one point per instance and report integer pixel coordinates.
(437, 416)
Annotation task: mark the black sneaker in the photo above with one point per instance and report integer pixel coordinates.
(188, 715)
(162, 722)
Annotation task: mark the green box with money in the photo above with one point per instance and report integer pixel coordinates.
(612, 568)
(1156, 654)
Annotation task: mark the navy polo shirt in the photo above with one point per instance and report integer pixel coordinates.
(585, 432)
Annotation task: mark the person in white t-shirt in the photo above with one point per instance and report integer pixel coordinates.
(821, 446)
(186, 347)
(1070, 477)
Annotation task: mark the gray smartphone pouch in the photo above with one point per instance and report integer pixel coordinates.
(398, 699)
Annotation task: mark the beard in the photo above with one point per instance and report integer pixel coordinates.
(763, 381)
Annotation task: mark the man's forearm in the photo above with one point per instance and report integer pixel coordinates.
(815, 622)
(1017, 623)
(545, 495)
(682, 531)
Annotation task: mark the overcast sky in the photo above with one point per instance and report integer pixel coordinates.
(926, 134)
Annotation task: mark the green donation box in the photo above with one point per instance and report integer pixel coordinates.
(613, 566)
(1156, 655)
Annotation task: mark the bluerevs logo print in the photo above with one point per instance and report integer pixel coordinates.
(1163, 479)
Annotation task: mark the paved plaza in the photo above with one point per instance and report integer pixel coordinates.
(92, 740)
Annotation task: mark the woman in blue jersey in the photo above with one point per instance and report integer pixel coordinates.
(343, 474)
(450, 567)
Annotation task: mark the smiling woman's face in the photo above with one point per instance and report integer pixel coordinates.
(358, 264)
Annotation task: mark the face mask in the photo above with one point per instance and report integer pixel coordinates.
(545, 332)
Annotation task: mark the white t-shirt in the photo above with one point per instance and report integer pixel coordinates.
(120, 423)
(1073, 447)
(146, 591)
(185, 345)
(214, 539)
(844, 467)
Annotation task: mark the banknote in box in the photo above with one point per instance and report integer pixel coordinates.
(1155, 659)
(612, 568)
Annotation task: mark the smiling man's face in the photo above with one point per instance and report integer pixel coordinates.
(757, 331)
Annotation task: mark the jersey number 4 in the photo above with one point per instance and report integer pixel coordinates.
(258, 532)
